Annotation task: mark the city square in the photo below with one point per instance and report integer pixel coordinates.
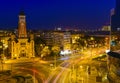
(67, 42)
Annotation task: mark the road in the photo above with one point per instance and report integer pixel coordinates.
(75, 69)
(39, 70)
(62, 72)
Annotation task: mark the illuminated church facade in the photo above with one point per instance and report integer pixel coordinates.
(21, 44)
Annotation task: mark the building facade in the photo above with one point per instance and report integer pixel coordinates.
(58, 38)
(21, 44)
(67, 40)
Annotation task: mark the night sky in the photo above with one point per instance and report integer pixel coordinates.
(47, 14)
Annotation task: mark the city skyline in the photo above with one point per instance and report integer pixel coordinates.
(50, 14)
(70, 49)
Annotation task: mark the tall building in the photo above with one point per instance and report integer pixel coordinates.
(21, 45)
(48, 37)
(58, 38)
(114, 53)
(67, 40)
(115, 28)
(115, 18)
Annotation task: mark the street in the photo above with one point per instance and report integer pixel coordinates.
(72, 69)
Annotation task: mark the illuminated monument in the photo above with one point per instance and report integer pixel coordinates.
(114, 53)
(21, 45)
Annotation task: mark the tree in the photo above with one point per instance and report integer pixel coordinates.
(55, 50)
(45, 52)
(39, 45)
(82, 42)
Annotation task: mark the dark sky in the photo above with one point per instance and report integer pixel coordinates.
(50, 13)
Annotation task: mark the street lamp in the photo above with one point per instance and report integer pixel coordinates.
(4, 47)
(55, 61)
(92, 43)
(3, 56)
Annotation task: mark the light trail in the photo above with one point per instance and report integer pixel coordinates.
(35, 72)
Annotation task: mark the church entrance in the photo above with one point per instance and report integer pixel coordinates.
(22, 54)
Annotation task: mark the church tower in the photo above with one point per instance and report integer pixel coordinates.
(21, 45)
(22, 33)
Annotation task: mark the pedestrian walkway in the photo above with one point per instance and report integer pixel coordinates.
(22, 60)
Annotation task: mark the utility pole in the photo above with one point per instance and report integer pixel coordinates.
(55, 60)
(2, 65)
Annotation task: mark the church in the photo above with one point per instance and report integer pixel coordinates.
(21, 44)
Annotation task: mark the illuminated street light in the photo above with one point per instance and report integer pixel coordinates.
(4, 47)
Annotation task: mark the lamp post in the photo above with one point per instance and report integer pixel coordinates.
(92, 43)
(4, 48)
(91, 53)
(2, 65)
(55, 60)
(3, 56)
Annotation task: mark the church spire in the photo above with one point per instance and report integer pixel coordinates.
(22, 25)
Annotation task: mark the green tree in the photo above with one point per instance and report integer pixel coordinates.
(82, 42)
(45, 52)
(55, 50)
(39, 45)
